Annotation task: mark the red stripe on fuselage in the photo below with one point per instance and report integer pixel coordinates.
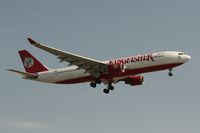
(126, 73)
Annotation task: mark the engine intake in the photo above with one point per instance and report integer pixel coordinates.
(134, 80)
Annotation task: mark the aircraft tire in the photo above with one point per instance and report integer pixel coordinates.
(93, 84)
(106, 91)
(170, 74)
(98, 81)
(110, 87)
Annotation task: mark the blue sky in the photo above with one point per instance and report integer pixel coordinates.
(101, 30)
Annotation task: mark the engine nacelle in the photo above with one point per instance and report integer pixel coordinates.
(116, 68)
(134, 80)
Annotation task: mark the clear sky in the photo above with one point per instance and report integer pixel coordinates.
(100, 29)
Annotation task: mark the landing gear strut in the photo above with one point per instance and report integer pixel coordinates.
(170, 72)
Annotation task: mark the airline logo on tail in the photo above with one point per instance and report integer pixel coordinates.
(28, 62)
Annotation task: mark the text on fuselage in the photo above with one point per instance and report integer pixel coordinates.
(139, 58)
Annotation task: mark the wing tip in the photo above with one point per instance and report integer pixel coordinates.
(31, 41)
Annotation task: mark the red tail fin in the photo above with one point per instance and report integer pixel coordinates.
(31, 64)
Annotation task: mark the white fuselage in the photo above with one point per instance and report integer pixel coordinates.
(133, 65)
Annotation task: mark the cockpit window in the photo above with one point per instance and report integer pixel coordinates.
(180, 53)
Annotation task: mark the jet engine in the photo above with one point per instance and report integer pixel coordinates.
(134, 80)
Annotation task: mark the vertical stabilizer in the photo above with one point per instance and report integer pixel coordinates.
(30, 63)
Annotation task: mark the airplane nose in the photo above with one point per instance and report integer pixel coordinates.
(187, 57)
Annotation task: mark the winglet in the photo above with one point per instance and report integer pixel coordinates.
(31, 41)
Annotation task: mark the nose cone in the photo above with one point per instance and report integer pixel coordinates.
(186, 58)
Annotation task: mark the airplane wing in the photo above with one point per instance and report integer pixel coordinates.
(94, 67)
(24, 74)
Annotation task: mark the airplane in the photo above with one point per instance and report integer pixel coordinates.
(81, 69)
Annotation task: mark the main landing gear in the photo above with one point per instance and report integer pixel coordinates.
(109, 87)
(94, 83)
(106, 90)
(170, 72)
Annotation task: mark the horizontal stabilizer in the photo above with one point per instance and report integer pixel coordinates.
(24, 74)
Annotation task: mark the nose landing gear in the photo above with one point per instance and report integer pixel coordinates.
(170, 72)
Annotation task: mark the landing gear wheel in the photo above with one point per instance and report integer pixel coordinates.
(98, 81)
(93, 84)
(110, 87)
(106, 91)
(170, 74)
